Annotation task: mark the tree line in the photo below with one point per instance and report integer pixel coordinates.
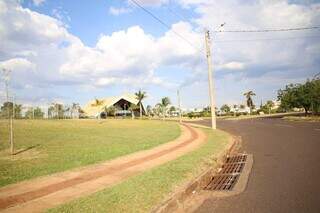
(54, 111)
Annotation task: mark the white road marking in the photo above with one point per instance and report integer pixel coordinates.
(285, 125)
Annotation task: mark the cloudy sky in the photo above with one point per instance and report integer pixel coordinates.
(73, 51)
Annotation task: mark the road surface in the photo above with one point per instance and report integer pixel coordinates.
(286, 170)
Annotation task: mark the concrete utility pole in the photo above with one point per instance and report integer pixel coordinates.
(178, 94)
(11, 127)
(210, 80)
(6, 78)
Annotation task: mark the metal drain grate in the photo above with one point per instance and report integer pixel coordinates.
(229, 174)
(237, 159)
(231, 168)
(223, 182)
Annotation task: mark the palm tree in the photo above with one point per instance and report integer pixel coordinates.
(164, 104)
(140, 96)
(249, 95)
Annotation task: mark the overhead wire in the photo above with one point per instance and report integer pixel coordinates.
(164, 24)
(266, 39)
(200, 49)
(267, 30)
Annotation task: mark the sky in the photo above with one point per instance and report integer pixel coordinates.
(74, 51)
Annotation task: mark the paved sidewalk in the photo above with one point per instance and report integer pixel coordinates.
(42, 193)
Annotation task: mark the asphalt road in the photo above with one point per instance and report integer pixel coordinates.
(286, 170)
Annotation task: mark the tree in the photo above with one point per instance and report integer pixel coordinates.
(249, 95)
(35, 113)
(17, 110)
(164, 103)
(157, 109)
(235, 109)
(111, 111)
(242, 106)
(225, 108)
(7, 108)
(269, 106)
(149, 110)
(140, 96)
(75, 110)
(56, 110)
(172, 109)
(315, 94)
(300, 95)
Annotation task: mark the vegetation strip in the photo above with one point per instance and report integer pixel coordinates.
(31, 195)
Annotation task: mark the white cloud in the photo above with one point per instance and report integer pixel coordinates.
(127, 57)
(118, 11)
(18, 64)
(234, 65)
(38, 2)
(130, 54)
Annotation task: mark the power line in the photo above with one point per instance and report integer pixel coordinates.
(163, 23)
(266, 39)
(267, 30)
(178, 15)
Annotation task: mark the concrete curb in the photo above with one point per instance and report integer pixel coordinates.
(175, 203)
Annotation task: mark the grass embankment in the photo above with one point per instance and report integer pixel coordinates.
(243, 117)
(303, 118)
(58, 145)
(142, 192)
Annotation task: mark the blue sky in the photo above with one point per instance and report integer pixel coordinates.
(73, 51)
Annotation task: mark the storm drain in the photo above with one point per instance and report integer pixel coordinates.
(237, 158)
(231, 168)
(229, 174)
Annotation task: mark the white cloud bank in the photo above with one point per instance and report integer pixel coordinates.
(18, 64)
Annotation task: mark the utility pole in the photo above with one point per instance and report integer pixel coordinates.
(6, 78)
(210, 80)
(178, 94)
(11, 127)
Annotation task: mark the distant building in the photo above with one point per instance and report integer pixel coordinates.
(97, 108)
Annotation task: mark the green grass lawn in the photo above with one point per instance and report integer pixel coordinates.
(59, 145)
(142, 192)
